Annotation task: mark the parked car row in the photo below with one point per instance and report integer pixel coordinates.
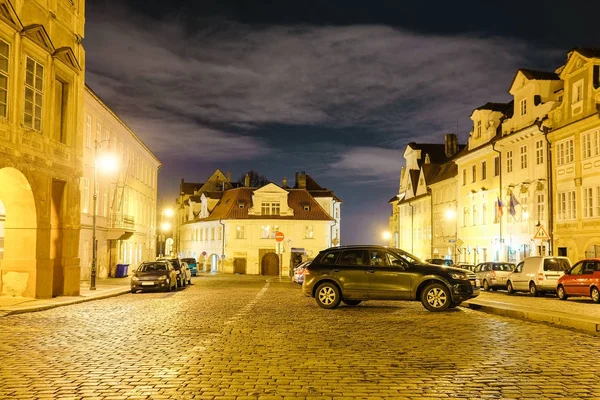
(162, 274)
(543, 274)
(298, 276)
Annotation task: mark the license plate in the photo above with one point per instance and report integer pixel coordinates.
(147, 283)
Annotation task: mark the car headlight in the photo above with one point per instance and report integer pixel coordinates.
(458, 276)
(135, 279)
(162, 278)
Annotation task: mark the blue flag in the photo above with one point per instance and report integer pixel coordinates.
(513, 203)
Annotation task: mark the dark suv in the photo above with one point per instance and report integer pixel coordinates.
(355, 273)
(181, 278)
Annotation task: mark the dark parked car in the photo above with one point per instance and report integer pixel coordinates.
(192, 264)
(356, 273)
(182, 278)
(154, 275)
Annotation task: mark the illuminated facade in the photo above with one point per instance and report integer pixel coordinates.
(41, 106)
(242, 224)
(126, 202)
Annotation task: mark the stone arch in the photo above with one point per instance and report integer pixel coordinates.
(18, 267)
(213, 263)
(269, 264)
(592, 248)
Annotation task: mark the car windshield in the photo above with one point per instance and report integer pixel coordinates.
(407, 256)
(189, 260)
(503, 267)
(556, 264)
(152, 267)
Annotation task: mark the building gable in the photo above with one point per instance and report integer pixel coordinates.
(38, 34)
(270, 193)
(9, 15)
(67, 56)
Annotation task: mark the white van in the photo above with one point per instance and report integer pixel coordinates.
(537, 274)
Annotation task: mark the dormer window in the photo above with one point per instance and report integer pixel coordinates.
(270, 208)
(577, 95)
(523, 106)
(306, 206)
(478, 131)
(240, 204)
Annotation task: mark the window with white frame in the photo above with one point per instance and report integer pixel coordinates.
(478, 135)
(566, 205)
(588, 202)
(308, 232)
(577, 93)
(270, 208)
(265, 231)
(98, 132)
(483, 170)
(523, 157)
(539, 152)
(474, 215)
(240, 232)
(590, 142)
(484, 214)
(540, 206)
(509, 161)
(565, 152)
(465, 216)
(4, 57)
(88, 132)
(34, 93)
(598, 201)
(523, 106)
(85, 195)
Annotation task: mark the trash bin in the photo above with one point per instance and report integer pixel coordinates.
(122, 270)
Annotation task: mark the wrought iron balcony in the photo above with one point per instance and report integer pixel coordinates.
(121, 221)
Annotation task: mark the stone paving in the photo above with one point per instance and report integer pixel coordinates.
(237, 337)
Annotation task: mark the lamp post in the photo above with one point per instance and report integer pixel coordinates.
(108, 164)
(451, 216)
(165, 226)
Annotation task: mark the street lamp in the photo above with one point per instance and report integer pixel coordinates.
(451, 216)
(165, 226)
(108, 163)
(386, 235)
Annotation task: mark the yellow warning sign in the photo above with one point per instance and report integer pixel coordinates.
(541, 233)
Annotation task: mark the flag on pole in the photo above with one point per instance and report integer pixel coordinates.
(513, 203)
(500, 205)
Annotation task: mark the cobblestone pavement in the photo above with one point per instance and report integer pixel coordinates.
(583, 306)
(236, 337)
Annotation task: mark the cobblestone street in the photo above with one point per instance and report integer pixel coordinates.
(239, 337)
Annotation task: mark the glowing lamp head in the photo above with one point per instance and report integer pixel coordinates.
(386, 235)
(450, 214)
(168, 212)
(165, 226)
(107, 163)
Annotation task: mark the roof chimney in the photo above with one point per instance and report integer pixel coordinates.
(427, 159)
(451, 144)
(228, 176)
(301, 180)
(247, 180)
(284, 183)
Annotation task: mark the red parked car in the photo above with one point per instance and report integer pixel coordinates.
(583, 279)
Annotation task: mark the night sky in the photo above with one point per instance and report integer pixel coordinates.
(333, 88)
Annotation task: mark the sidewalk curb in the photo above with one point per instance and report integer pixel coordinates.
(560, 320)
(43, 307)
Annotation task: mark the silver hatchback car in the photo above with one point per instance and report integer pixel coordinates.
(493, 274)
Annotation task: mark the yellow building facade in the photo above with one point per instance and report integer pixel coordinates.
(575, 141)
(41, 106)
(126, 198)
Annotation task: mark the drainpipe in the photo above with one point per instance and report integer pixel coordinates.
(431, 221)
(550, 200)
(500, 176)
(332, 226)
(412, 228)
(222, 247)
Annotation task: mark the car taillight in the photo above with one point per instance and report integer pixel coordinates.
(540, 277)
(306, 272)
(493, 274)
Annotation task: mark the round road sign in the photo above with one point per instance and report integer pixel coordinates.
(279, 236)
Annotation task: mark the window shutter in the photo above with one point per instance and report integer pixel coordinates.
(596, 76)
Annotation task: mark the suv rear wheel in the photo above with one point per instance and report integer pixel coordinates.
(436, 297)
(328, 295)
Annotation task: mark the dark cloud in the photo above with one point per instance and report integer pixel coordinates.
(218, 89)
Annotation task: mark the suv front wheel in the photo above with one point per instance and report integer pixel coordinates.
(328, 295)
(436, 297)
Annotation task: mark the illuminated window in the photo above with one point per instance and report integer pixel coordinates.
(478, 135)
(565, 152)
(265, 232)
(523, 157)
(588, 202)
(240, 232)
(308, 232)
(591, 144)
(523, 106)
(577, 94)
(483, 170)
(270, 208)
(539, 152)
(4, 49)
(509, 161)
(34, 92)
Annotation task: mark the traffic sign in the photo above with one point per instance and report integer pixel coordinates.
(459, 243)
(279, 236)
(541, 233)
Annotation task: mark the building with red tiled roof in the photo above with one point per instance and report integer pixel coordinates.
(238, 234)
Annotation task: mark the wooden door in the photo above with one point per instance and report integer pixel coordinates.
(270, 264)
(239, 265)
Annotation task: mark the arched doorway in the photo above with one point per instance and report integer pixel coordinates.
(593, 250)
(18, 265)
(213, 263)
(269, 265)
